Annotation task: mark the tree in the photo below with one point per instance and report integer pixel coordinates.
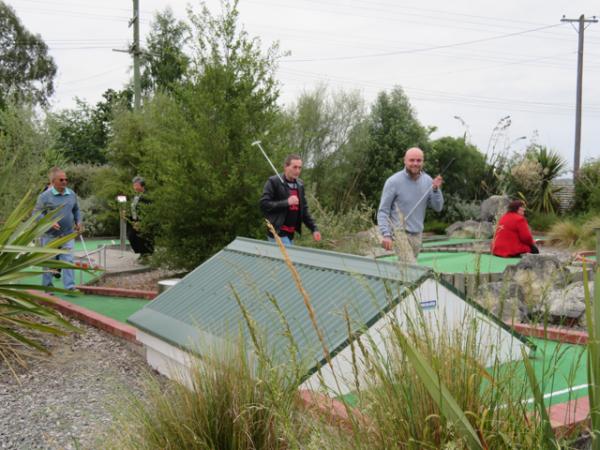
(463, 175)
(393, 128)
(324, 131)
(206, 192)
(164, 63)
(26, 69)
(587, 187)
(82, 133)
(24, 159)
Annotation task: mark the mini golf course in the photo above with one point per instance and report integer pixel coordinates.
(560, 368)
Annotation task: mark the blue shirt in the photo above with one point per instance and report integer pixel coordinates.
(400, 194)
(66, 202)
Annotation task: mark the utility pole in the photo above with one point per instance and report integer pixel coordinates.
(135, 51)
(582, 21)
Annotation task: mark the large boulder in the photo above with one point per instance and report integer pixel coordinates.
(503, 299)
(568, 302)
(471, 229)
(537, 276)
(493, 207)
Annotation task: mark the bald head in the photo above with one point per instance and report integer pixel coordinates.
(413, 161)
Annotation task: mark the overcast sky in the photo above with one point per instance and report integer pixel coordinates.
(475, 60)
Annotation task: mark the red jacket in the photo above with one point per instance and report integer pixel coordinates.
(512, 237)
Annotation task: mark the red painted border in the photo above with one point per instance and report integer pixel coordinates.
(93, 318)
(554, 334)
(117, 292)
(570, 417)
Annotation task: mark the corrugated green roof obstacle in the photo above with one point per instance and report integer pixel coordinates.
(201, 311)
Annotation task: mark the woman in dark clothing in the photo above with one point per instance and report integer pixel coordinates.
(513, 237)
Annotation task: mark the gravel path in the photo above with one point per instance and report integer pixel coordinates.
(64, 401)
(146, 281)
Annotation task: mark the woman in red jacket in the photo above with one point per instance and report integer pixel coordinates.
(513, 237)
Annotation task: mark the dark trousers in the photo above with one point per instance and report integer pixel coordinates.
(140, 243)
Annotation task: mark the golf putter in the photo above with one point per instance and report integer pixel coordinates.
(257, 143)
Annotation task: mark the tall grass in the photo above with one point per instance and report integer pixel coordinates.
(573, 234)
(339, 228)
(592, 315)
(227, 400)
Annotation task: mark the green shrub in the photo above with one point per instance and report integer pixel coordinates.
(587, 187)
(456, 209)
(83, 176)
(435, 226)
(539, 221)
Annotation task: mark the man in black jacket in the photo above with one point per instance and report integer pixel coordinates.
(284, 205)
(142, 242)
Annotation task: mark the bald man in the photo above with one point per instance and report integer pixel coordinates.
(409, 190)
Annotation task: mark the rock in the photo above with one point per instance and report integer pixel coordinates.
(537, 276)
(542, 267)
(568, 302)
(492, 208)
(471, 229)
(504, 300)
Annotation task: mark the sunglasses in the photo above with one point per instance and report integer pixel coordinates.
(63, 179)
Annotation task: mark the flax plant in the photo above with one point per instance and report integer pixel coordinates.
(23, 312)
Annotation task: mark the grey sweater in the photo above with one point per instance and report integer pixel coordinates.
(69, 214)
(401, 193)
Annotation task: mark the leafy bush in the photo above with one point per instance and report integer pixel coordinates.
(587, 187)
(539, 221)
(456, 210)
(435, 226)
(83, 176)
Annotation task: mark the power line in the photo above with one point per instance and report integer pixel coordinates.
(421, 50)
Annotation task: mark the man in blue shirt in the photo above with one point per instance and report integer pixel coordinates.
(404, 200)
(59, 197)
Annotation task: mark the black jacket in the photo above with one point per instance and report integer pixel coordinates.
(274, 204)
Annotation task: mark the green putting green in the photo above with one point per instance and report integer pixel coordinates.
(461, 262)
(118, 308)
(435, 242)
(560, 369)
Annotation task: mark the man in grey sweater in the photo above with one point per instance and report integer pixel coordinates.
(59, 196)
(404, 199)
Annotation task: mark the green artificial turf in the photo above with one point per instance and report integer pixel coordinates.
(461, 262)
(449, 241)
(558, 367)
(118, 308)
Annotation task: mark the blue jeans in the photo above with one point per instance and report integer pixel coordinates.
(285, 240)
(68, 275)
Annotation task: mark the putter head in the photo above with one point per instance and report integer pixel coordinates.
(256, 143)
